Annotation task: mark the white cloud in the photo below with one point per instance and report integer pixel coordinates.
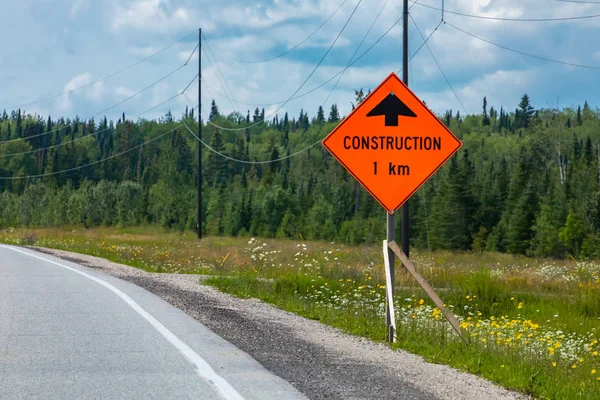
(153, 15)
(124, 92)
(96, 91)
(75, 83)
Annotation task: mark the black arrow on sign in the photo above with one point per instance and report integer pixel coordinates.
(392, 107)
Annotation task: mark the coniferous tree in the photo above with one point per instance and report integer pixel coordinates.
(214, 111)
(320, 116)
(524, 113)
(216, 168)
(334, 115)
(486, 118)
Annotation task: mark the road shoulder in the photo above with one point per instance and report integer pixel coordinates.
(318, 360)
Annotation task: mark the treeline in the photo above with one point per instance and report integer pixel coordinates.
(526, 181)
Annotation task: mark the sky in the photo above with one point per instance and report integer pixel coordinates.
(54, 47)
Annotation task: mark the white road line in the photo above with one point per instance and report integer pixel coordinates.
(204, 369)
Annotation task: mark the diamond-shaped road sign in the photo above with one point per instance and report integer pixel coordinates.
(392, 143)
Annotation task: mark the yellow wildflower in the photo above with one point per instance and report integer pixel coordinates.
(421, 301)
(551, 350)
(593, 372)
(554, 364)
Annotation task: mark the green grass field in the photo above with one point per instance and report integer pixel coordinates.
(532, 323)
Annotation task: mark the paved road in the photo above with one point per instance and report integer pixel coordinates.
(67, 332)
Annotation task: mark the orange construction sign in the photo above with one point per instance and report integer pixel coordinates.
(392, 143)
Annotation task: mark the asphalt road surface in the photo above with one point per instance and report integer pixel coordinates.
(67, 332)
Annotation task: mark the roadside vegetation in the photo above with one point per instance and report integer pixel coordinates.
(533, 324)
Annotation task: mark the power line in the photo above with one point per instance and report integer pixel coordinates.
(292, 48)
(331, 78)
(325, 82)
(508, 19)
(97, 132)
(209, 47)
(220, 82)
(356, 51)
(92, 163)
(422, 44)
(203, 112)
(307, 78)
(109, 108)
(101, 79)
(522, 52)
(439, 66)
(244, 161)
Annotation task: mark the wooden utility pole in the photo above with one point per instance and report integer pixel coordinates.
(405, 219)
(200, 133)
(391, 218)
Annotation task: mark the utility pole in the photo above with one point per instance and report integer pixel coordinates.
(405, 220)
(391, 218)
(200, 133)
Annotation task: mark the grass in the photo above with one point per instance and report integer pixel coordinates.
(532, 323)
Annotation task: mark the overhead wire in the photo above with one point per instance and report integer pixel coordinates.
(438, 65)
(421, 4)
(522, 52)
(231, 99)
(356, 51)
(303, 83)
(108, 108)
(422, 44)
(92, 163)
(201, 111)
(249, 162)
(326, 81)
(209, 47)
(101, 79)
(98, 131)
(292, 48)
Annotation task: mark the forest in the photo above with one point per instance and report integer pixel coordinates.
(526, 181)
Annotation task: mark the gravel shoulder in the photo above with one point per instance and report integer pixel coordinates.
(320, 361)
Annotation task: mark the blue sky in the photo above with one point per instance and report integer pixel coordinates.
(51, 46)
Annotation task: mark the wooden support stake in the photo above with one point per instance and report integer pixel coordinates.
(389, 290)
(428, 289)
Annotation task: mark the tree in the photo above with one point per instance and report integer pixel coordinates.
(359, 96)
(572, 234)
(216, 168)
(214, 111)
(524, 113)
(486, 118)
(334, 115)
(320, 116)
